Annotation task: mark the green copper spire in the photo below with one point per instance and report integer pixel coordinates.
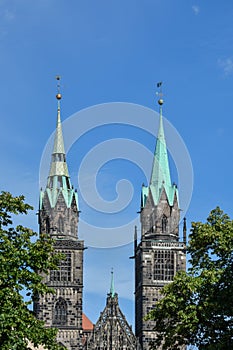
(58, 141)
(160, 175)
(112, 289)
(58, 165)
(59, 179)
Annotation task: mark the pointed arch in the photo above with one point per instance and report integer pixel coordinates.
(60, 312)
(60, 224)
(47, 225)
(164, 224)
(73, 227)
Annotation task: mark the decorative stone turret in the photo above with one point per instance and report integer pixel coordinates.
(112, 331)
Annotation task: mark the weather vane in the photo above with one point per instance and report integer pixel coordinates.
(160, 93)
(58, 78)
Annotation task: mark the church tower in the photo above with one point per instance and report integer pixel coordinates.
(159, 254)
(58, 217)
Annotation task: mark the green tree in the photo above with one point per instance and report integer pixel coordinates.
(197, 307)
(22, 261)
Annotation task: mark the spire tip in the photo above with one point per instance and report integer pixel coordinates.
(58, 95)
(112, 289)
(160, 94)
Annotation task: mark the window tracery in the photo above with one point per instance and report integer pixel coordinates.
(60, 312)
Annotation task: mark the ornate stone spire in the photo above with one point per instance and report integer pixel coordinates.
(112, 330)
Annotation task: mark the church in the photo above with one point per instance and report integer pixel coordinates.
(158, 255)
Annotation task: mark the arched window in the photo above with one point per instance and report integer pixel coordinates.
(47, 225)
(60, 225)
(73, 227)
(60, 312)
(164, 224)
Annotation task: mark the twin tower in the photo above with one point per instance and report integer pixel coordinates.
(158, 256)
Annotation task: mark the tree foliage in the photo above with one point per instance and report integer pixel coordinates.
(22, 261)
(197, 307)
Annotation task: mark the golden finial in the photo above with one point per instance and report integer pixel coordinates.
(58, 95)
(160, 94)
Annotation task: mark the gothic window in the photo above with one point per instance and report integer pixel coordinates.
(60, 312)
(164, 224)
(63, 273)
(60, 225)
(73, 227)
(164, 265)
(148, 269)
(138, 269)
(47, 225)
(158, 266)
(169, 265)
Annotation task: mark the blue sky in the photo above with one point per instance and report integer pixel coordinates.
(116, 51)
